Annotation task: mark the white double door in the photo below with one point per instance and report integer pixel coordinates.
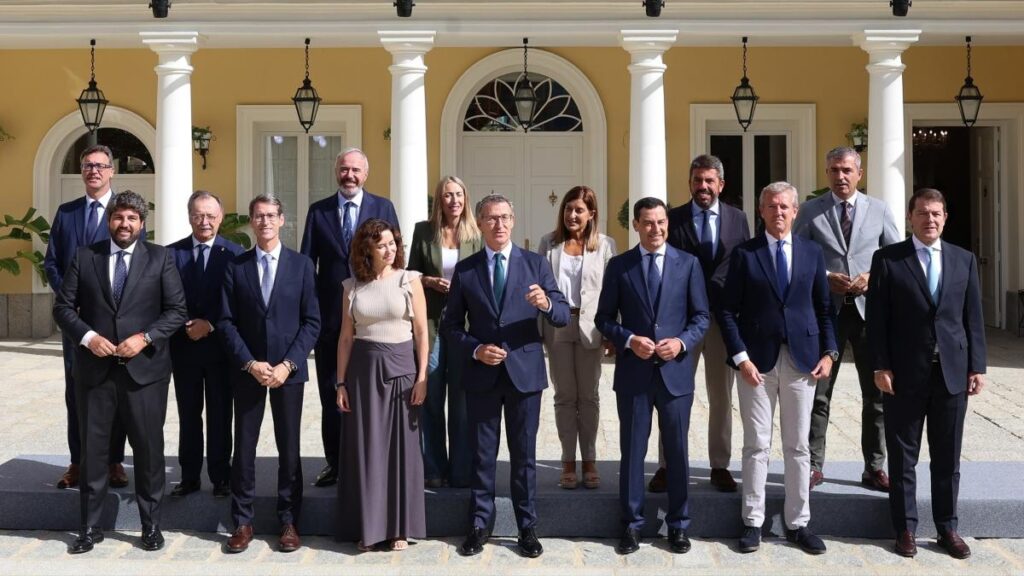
(534, 170)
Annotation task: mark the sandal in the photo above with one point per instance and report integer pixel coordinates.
(591, 479)
(568, 479)
(399, 544)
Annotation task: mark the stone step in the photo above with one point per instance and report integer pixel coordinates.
(990, 506)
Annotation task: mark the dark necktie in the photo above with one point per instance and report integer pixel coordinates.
(781, 269)
(200, 263)
(845, 221)
(120, 277)
(653, 279)
(499, 278)
(348, 226)
(93, 221)
(707, 245)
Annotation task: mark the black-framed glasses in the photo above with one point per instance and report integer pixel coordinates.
(90, 166)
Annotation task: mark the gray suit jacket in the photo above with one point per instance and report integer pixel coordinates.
(873, 227)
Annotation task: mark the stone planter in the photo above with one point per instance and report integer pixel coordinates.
(26, 316)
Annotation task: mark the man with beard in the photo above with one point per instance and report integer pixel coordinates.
(330, 226)
(121, 300)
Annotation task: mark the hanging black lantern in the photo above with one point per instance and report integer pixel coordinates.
(91, 102)
(969, 99)
(404, 8)
(653, 7)
(306, 100)
(744, 99)
(525, 95)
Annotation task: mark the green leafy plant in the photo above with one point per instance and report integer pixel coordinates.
(24, 229)
(4, 136)
(625, 215)
(235, 228)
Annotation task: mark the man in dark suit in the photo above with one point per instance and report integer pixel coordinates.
(501, 290)
(121, 300)
(78, 223)
(200, 363)
(654, 309)
(849, 226)
(776, 318)
(928, 336)
(709, 230)
(330, 226)
(269, 323)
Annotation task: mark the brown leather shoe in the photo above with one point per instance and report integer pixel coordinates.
(660, 481)
(906, 544)
(721, 479)
(876, 480)
(289, 540)
(816, 478)
(952, 542)
(70, 477)
(118, 477)
(239, 540)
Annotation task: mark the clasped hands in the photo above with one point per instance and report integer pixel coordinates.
(129, 348)
(666, 348)
(269, 376)
(842, 284)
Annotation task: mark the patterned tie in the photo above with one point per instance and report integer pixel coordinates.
(653, 278)
(933, 274)
(846, 221)
(120, 277)
(499, 278)
(348, 226)
(707, 245)
(93, 221)
(267, 284)
(781, 268)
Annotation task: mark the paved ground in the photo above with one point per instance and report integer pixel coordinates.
(32, 421)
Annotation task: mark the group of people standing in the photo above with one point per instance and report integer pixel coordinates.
(421, 351)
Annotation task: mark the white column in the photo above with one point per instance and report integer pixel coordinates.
(173, 154)
(647, 157)
(409, 186)
(886, 146)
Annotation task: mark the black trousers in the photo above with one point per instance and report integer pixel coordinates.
(117, 435)
(141, 410)
(326, 377)
(905, 417)
(195, 383)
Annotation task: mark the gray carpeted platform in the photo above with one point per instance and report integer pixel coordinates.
(991, 503)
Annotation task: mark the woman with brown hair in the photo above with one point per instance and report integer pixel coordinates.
(382, 373)
(578, 254)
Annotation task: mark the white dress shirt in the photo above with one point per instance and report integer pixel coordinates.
(698, 221)
(100, 214)
(209, 250)
(357, 202)
(275, 259)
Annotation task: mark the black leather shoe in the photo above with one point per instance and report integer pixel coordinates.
(750, 541)
(184, 488)
(474, 542)
(906, 544)
(678, 541)
(86, 540)
(807, 542)
(952, 543)
(221, 489)
(152, 538)
(630, 541)
(327, 477)
(529, 546)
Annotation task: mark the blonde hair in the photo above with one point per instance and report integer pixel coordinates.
(467, 230)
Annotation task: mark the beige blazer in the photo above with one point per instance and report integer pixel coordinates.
(594, 264)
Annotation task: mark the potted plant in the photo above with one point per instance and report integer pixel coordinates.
(858, 135)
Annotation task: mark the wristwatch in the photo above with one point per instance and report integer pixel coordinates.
(292, 368)
(147, 338)
(832, 354)
(339, 385)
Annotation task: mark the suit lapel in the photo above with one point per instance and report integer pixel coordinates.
(101, 262)
(483, 275)
(801, 265)
(833, 221)
(914, 263)
(253, 277)
(769, 269)
(636, 278)
(688, 227)
(860, 215)
(436, 256)
(669, 274)
(139, 261)
(78, 226)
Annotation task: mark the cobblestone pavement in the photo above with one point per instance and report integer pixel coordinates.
(33, 422)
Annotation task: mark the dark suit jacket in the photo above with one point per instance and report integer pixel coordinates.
(514, 328)
(153, 301)
(625, 309)
(732, 231)
(904, 325)
(67, 235)
(321, 241)
(756, 318)
(424, 256)
(203, 298)
(287, 329)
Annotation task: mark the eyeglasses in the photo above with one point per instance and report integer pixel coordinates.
(503, 218)
(264, 217)
(90, 166)
(198, 218)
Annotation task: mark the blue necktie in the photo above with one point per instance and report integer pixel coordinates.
(499, 278)
(267, 284)
(93, 221)
(781, 268)
(653, 278)
(707, 243)
(120, 277)
(348, 226)
(933, 275)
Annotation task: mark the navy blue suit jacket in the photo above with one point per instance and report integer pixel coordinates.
(756, 318)
(732, 231)
(625, 309)
(67, 235)
(203, 298)
(514, 327)
(287, 329)
(905, 326)
(321, 241)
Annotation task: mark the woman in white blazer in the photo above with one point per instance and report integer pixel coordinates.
(578, 254)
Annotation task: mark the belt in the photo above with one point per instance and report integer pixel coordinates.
(574, 311)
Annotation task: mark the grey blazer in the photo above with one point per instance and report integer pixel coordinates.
(594, 264)
(873, 227)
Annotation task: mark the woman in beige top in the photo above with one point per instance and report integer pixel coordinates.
(382, 368)
(578, 254)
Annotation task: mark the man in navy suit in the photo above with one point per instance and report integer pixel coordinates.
(269, 323)
(654, 309)
(82, 222)
(330, 225)
(709, 230)
(501, 290)
(928, 336)
(199, 361)
(776, 317)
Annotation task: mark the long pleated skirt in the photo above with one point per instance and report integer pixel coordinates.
(380, 487)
